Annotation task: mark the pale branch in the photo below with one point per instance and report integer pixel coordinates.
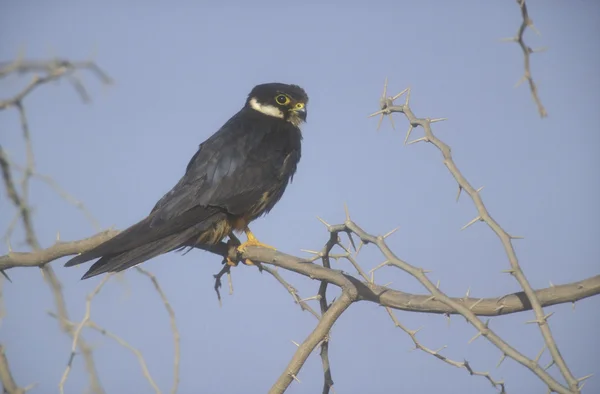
(8, 382)
(77, 330)
(527, 51)
(52, 70)
(292, 290)
(174, 329)
(138, 354)
(385, 296)
(436, 353)
(319, 334)
(387, 108)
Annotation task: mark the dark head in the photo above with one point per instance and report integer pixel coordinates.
(279, 100)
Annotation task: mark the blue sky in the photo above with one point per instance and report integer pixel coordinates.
(181, 70)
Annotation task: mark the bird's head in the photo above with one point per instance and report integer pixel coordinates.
(280, 100)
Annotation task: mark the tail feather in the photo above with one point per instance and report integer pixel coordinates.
(133, 257)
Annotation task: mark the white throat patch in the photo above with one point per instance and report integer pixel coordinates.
(266, 109)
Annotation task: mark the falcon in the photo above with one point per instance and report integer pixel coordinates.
(237, 175)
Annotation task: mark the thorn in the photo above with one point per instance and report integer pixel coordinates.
(324, 222)
(379, 266)
(391, 232)
(437, 120)
(5, 275)
(499, 308)
(501, 359)
(509, 39)
(392, 121)
(347, 212)
(437, 285)
(458, 193)
(585, 377)
(58, 236)
(468, 292)
(310, 251)
(295, 378)
(475, 337)
(360, 245)
(573, 307)
(379, 122)
(424, 271)
(440, 349)
(471, 222)
(400, 94)
(426, 139)
(316, 297)
(387, 284)
(381, 111)
(410, 129)
(351, 240)
(373, 277)
(508, 271)
(407, 96)
(515, 237)
(447, 318)
(539, 50)
(551, 284)
(9, 245)
(385, 88)
(475, 304)
(414, 332)
(480, 189)
(520, 81)
(539, 355)
(296, 343)
(551, 363)
(532, 27)
(429, 299)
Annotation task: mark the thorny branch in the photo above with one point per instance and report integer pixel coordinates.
(387, 108)
(527, 51)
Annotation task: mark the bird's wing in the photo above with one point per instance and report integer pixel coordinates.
(224, 177)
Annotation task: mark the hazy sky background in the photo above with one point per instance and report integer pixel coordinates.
(183, 68)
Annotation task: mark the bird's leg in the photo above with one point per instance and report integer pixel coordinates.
(252, 241)
(232, 241)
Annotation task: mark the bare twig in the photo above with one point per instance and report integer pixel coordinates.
(8, 382)
(174, 330)
(499, 384)
(317, 336)
(77, 332)
(145, 371)
(527, 51)
(52, 70)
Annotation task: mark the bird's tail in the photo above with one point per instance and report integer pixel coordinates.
(141, 242)
(122, 261)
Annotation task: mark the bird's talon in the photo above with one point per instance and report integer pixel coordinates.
(231, 263)
(248, 262)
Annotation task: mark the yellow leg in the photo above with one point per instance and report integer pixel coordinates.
(252, 241)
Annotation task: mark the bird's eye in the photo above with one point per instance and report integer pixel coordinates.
(282, 99)
(299, 105)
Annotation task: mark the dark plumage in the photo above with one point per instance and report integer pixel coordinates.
(237, 175)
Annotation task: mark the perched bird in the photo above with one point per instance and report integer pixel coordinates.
(237, 175)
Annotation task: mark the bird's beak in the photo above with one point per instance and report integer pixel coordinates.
(300, 112)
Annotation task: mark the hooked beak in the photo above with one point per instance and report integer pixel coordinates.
(300, 112)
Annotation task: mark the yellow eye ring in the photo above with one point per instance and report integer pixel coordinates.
(299, 105)
(282, 99)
